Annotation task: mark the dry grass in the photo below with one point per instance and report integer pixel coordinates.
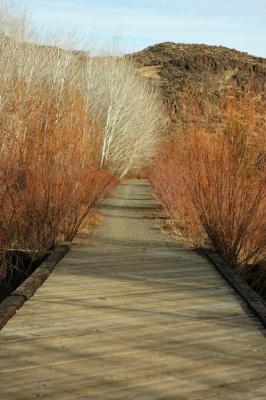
(86, 229)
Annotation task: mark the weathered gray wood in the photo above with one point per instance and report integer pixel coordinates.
(26, 290)
(133, 315)
(254, 301)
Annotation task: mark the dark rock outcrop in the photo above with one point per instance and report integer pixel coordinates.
(209, 70)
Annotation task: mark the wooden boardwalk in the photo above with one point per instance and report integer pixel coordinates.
(133, 315)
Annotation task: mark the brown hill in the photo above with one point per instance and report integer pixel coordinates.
(209, 71)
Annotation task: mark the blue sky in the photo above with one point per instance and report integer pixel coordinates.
(239, 24)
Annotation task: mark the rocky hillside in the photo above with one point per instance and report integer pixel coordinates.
(209, 71)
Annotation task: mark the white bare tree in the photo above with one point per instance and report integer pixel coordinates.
(122, 105)
(129, 110)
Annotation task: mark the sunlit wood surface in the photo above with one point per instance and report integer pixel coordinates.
(133, 315)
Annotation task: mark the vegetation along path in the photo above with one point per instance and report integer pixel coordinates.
(133, 315)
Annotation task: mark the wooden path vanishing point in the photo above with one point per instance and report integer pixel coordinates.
(133, 315)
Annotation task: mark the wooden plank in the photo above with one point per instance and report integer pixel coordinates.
(148, 321)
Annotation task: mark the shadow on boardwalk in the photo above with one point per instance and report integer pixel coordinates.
(133, 315)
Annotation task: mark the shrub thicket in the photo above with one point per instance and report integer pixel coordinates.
(213, 184)
(69, 123)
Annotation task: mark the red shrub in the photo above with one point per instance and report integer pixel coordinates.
(221, 195)
(49, 175)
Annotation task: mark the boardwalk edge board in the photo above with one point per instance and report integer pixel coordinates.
(13, 302)
(253, 299)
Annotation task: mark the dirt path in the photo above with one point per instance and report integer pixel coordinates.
(133, 315)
